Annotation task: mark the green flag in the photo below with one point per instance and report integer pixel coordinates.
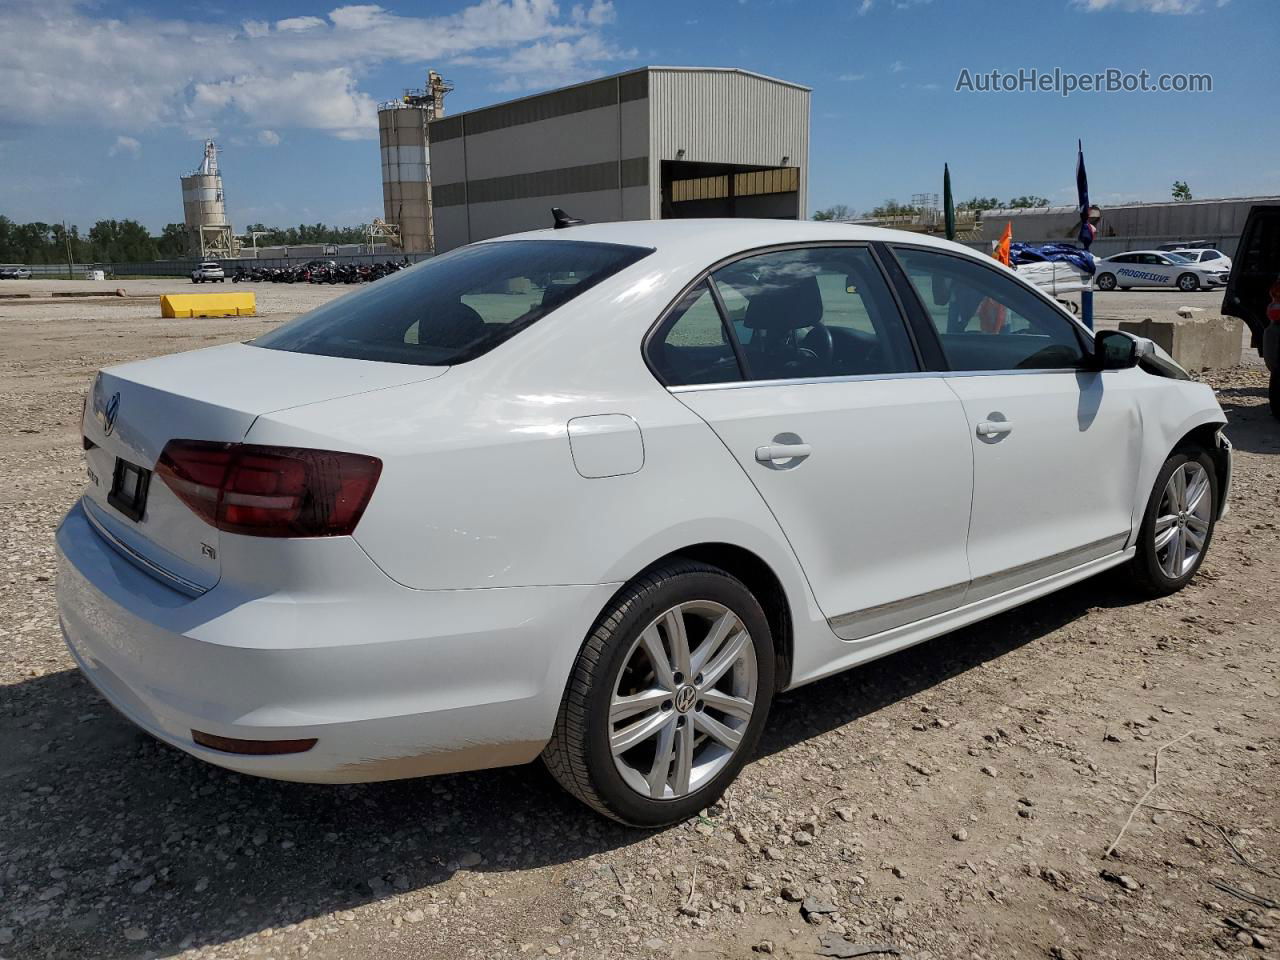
(948, 205)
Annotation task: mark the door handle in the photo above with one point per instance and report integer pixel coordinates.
(994, 428)
(782, 451)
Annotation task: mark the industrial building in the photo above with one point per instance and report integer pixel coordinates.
(651, 143)
(204, 210)
(1132, 226)
(406, 163)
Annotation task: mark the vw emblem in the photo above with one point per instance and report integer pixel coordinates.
(685, 698)
(109, 414)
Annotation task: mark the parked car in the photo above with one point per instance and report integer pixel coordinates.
(463, 519)
(1186, 245)
(1156, 268)
(15, 273)
(1253, 292)
(1206, 257)
(208, 272)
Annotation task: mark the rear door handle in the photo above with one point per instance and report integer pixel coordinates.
(994, 428)
(782, 451)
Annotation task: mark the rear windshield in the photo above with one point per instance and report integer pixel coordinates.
(455, 307)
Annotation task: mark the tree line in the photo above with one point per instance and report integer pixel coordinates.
(127, 241)
(892, 208)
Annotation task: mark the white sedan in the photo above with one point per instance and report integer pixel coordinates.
(599, 494)
(1159, 268)
(1216, 259)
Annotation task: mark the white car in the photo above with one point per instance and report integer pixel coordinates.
(209, 271)
(1216, 259)
(598, 494)
(1158, 268)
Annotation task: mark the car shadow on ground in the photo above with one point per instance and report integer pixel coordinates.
(105, 829)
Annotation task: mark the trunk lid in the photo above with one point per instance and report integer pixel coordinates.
(214, 394)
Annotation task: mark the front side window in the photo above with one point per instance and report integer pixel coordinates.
(985, 320)
(814, 312)
(455, 307)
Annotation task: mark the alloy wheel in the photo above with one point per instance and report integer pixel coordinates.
(683, 700)
(1182, 523)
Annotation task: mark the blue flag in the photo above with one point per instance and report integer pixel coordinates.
(1087, 229)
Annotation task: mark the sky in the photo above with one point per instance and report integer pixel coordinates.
(103, 105)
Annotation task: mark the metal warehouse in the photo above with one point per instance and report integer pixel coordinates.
(652, 143)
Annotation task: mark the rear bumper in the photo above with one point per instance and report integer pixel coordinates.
(392, 682)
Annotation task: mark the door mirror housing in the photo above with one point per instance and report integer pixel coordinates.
(1117, 350)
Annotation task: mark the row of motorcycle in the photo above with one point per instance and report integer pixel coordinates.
(322, 271)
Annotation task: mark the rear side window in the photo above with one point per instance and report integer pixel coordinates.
(455, 307)
(695, 348)
(814, 312)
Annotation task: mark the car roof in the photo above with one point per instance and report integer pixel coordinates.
(712, 239)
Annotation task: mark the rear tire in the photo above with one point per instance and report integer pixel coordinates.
(702, 726)
(1177, 528)
(1106, 281)
(1274, 393)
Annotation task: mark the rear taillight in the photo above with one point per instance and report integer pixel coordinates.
(270, 491)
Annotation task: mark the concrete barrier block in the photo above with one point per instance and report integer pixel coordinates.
(242, 304)
(1204, 343)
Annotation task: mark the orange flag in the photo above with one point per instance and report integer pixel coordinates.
(1002, 248)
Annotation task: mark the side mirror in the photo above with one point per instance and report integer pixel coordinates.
(1116, 350)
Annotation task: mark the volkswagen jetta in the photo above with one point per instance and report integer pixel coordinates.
(598, 494)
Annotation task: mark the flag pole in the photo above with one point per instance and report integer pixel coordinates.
(1087, 230)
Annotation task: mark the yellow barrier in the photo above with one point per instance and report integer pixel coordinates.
(208, 305)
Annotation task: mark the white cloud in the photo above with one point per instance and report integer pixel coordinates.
(897, 66)
(1146, 6)
(268, 138)
(125, 145)
(864, 7)
(299, 23)
(851, 77)
(136, 72)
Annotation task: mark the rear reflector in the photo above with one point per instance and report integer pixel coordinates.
(270, 491)
(255, 748)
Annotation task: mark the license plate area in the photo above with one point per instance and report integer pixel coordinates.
(129, 483)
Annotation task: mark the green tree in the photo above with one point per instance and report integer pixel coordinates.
(1181, 191)
(978, 203)
(1031, 201)
(840, 211)
(172, 242)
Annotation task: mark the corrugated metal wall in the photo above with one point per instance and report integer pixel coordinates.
(723, 116)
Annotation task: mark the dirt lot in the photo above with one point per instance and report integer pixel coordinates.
(954, 801)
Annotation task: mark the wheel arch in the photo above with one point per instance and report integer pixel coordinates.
(758, 577)
(1205, 437)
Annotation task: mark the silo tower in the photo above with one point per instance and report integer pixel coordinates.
(406, 161)
(204, 209)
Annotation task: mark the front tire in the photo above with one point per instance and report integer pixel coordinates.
(668, 697)
(1106, 281)
(1178, 525)
(1188, 282)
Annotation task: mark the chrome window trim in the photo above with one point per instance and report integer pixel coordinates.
(181, 584)
(865, 377)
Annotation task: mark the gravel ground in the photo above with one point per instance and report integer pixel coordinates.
(952, 801)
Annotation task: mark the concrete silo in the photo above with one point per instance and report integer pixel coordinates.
(406, 161)
(204, 210)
